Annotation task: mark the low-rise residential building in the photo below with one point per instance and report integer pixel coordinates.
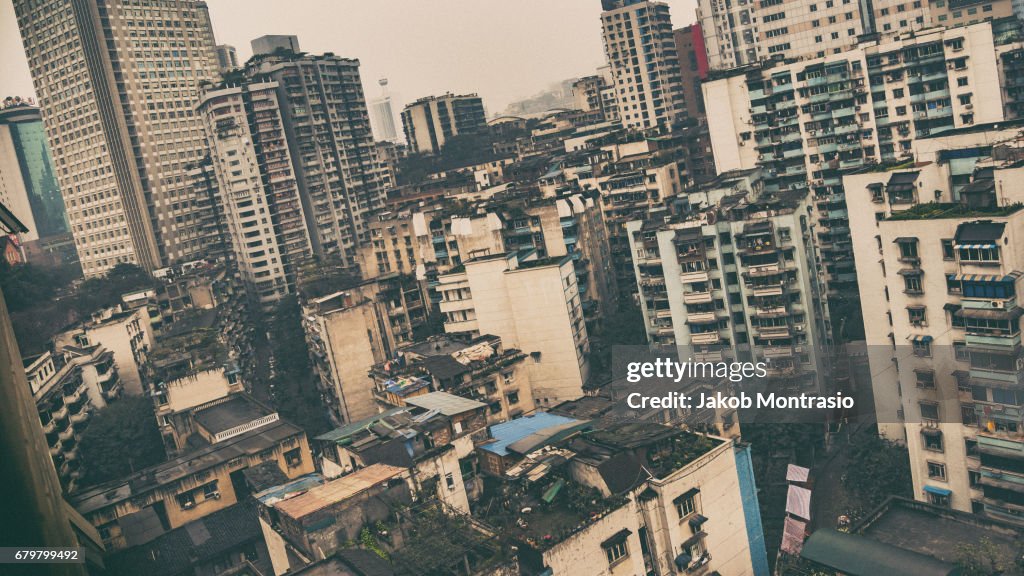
(228, 542)
(311, 518)
(476, 368)
(68, 386)
(351, 330)
(227, 436)
(532, 305)
(433, 438)
(631, 498)
(126, 333)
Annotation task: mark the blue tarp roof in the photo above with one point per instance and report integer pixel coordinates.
(509, 432)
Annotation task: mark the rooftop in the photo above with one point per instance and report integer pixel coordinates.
(940, 532)
(178, 551)
(343, 432)
(445, 403)
(936, 210)
(532, 430)
(237, 410)
(337, 490)
(253, 442)
(859, 556)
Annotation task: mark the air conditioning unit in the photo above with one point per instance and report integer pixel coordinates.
(998, 304)
(188, 506)
(214, 496)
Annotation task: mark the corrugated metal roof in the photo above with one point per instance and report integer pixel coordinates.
(514, 430)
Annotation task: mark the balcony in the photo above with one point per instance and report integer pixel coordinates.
(693, 277)
(696, 297)
(778, 351)
(706, 338)
(66, 434)
(80, 417)
(772, 290)
(701, 318)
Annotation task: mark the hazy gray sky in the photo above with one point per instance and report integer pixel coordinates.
(504, 49)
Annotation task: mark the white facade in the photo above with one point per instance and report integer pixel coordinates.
(641, 52)
(937, 341)
(533, 306)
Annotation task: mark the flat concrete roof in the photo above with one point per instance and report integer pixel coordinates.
(337, 490)
(229, 414)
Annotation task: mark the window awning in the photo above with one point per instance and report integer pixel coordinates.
(921, 339)
(981, 277)
(902, 239)
(982, 234)
(910, 272)
(933, 432)
(697, 521)
(617, 538)
(976, 246)
(688, 494)
(937, 490)
(694, 539)
(948, 307)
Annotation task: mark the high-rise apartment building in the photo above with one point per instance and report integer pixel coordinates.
(227, 58)
(334, 159)
(744, 32)
(117, 83)
(940, 240)
(296, 165)
(807, 121)
(735, 274)
(641, 50)
(257, 187)
(28, 180)
(382, 116)
(693, 68)
(429, 122)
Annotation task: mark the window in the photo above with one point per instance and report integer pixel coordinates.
(939, 499)
(974, 477)
(967, 415)
(932, 440)
(908, 248)
(923, 348)
(971, 447)
(947, 249)
(686, 505)
(449, 481)
(929, 410)
(912, 284)
(616, 551)
(210, 490)
(937, 470)
(979, 253)
(186, 501)
(916, 315)
(293, 458)
(897, 93)
(925, 378)
(961, 81)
